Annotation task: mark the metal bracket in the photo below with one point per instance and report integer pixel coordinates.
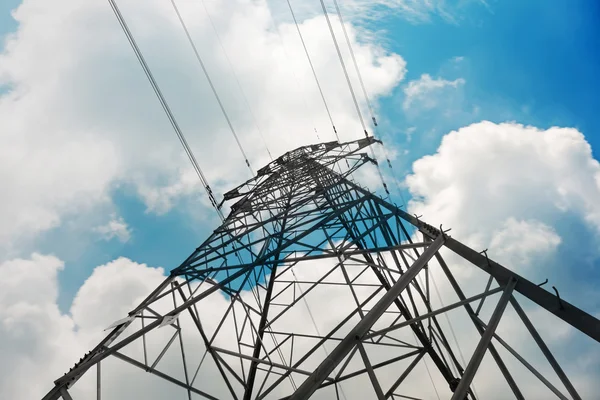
(484, 252)
(560, 304)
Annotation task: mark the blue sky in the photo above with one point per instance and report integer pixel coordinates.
(521, 61)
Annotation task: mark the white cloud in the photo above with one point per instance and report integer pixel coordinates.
(518, 242)
(81, 120)
(486, 173)
(506, 187)
(125, 282)
(425, 92)
(33, 330)
(115, 228)
(413, 11)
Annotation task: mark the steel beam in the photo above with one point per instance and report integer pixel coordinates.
(347, 344)
(509, 379)
(65, 394)
(572, 315)
(527, 365)
(547, 353)
(461, 391)
(433, 313)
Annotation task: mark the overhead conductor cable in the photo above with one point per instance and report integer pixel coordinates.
(359, 113)
(187, 34)
(236, 79)
(294, 76)
(165, 107)
(313, 69)
(362, 85)
(339, 53)
(364, 90)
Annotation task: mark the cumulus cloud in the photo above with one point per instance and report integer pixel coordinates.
(519, 242)
(32, 328)
(115, 228)
(39, 342)
(508, 188)
(486, 174)
(425, 93)
(80, 120)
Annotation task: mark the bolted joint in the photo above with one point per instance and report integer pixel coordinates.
(454, 384)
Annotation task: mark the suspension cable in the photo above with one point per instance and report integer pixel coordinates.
(339, 53)
(293, 73)
(397, 183)
(165, 107)
(366, 95)
(254, 119)
(355, 101)
(312, 69)
(187, 33)
(362, 85)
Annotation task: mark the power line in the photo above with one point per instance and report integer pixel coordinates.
(339, 53)
(364, 90)
(359, 113)
(294, 76)
(254, 119)
(369, 105)
(312, 68)
(339, 13)
(187, 33)
(165, 106)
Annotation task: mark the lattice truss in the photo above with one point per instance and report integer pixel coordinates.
(315, 287)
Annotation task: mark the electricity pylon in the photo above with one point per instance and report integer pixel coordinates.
(315, 287)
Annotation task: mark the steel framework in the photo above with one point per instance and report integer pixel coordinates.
(315, 287)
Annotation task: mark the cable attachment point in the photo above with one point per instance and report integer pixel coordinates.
(374, 121)
(443, 232)
(389, 163)
(560, 304)
(454, 384)
(484, 252)
(386, 189)
(543, 283)
(366, 134)
(417, 217)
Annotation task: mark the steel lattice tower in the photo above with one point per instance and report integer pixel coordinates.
(238, 318)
